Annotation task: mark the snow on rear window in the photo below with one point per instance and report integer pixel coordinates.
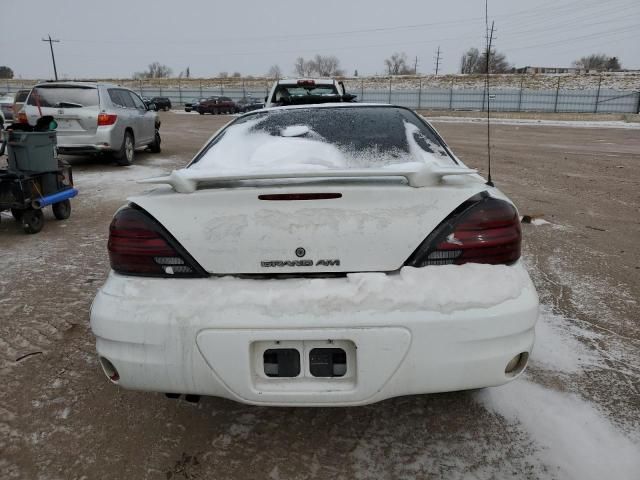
(323, 138)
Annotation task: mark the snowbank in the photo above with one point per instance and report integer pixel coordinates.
(539, 123)
(445, 289)
(575, 440)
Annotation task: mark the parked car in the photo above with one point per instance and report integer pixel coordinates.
(215, 105)
(313, 256)
(306, 91)
(189, 106)
(248, 104)
(18, 101)
(161, 103)
(6, 106)
(95, 117)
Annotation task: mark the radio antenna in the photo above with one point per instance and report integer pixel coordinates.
(489, 38)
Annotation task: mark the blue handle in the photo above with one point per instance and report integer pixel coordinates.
(55, 198)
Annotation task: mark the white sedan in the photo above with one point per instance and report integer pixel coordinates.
(324, 255)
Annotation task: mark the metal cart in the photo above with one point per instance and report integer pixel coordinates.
(34, 178)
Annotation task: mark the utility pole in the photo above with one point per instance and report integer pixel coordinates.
(438, 58)
(53, 58)
(415, 66)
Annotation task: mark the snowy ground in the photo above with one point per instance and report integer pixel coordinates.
(543, 123)
(575, 414)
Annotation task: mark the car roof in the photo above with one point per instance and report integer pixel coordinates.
(317, 81)
(79, 84)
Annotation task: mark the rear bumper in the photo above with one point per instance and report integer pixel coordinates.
(83, 149)
(168, 335)
(105, 139)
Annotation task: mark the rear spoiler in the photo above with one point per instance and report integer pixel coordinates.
(188, 180)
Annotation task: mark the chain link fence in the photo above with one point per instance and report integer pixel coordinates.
(523, 99)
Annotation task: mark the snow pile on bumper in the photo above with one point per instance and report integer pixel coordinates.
(442, 289)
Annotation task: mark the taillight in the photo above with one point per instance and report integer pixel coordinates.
(22, 118)
(139, 245)
(486, 230)
(105, 119)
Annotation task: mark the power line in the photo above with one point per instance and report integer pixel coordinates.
(528, 14)
(53, 58)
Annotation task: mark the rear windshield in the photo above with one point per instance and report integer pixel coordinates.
(299, 90)
(333, 137)
(61, 96)
(21, 95)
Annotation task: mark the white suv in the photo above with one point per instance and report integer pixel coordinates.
(95, 117)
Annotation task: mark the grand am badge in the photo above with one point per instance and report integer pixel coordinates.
(300, 263)
(300, 252)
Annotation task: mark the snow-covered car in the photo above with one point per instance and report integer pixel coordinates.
(335, 254)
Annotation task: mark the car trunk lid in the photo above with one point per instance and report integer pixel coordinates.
(313, 226)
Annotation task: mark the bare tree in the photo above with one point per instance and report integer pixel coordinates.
(223, 75)
(497, 63)
(320, 65)
(397, 64)
(598, 62)
(274, 72)
(327, 66)
(475, 62)
(303, 68)
(155, 70)
(469, 61)
(614, 65)
(236, 75)
(6, 72)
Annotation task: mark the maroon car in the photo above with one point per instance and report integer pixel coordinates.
(215, 105)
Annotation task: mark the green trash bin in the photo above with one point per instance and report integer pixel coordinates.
(31, 151)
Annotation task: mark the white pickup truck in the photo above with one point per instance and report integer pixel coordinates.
(305, 91)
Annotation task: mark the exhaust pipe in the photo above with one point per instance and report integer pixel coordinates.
(54, 198)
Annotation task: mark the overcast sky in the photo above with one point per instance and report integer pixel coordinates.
(116, 38)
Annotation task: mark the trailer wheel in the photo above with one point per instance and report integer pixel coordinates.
(62, 210)
(32, 220)
(17, 214)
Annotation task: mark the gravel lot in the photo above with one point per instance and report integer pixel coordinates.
(574, 414)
